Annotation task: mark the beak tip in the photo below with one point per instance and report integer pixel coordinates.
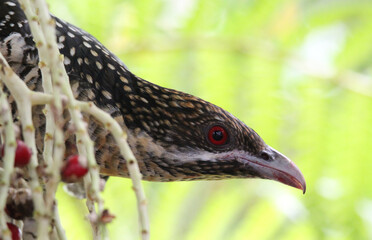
(304, 189)
(285, 171)
(299, 184)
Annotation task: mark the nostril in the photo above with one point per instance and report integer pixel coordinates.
(265, 156)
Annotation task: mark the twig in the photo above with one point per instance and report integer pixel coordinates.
(8, 159)
(54, 140)
(58, 224)
(23, 101)
(121, 138)
(50, 57)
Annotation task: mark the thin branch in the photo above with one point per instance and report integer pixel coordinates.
(121, 138)
(8, 159)
(58, 224)
(23, 101)
(53, 140)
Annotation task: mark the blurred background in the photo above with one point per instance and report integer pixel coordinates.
(298, 72)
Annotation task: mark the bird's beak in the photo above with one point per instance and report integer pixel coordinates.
(279, 168)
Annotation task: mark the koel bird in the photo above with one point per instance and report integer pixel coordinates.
(175, 136)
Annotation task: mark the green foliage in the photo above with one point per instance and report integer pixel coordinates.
(298, 72)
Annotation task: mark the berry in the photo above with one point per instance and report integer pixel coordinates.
(73, 170)
(16, 232)
(22, 155)
(19, 203)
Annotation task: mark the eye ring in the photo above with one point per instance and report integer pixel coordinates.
(217, 135)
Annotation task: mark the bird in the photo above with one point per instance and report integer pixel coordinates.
(174, 136)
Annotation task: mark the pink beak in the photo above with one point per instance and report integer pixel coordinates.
(278, 168)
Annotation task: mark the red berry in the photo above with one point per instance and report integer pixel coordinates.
(73, 169)
(16, 232)
(22, 155)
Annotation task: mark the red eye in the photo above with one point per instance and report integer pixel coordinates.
(217, 135)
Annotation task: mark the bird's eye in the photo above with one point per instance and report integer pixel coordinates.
(217, 135)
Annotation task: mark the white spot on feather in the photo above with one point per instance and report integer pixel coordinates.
(107, 94)
(72, 51)
(59, 25)
(111, 66)
(89, 78)
(87, 44)
(66, 60)
(12, 4)
(99, 65)
(70, 34)
(61, 38)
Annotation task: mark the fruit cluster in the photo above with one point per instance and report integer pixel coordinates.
(73, 169)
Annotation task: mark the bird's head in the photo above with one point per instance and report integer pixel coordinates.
(177, 136)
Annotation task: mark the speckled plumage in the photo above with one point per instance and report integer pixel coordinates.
(167, 129)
